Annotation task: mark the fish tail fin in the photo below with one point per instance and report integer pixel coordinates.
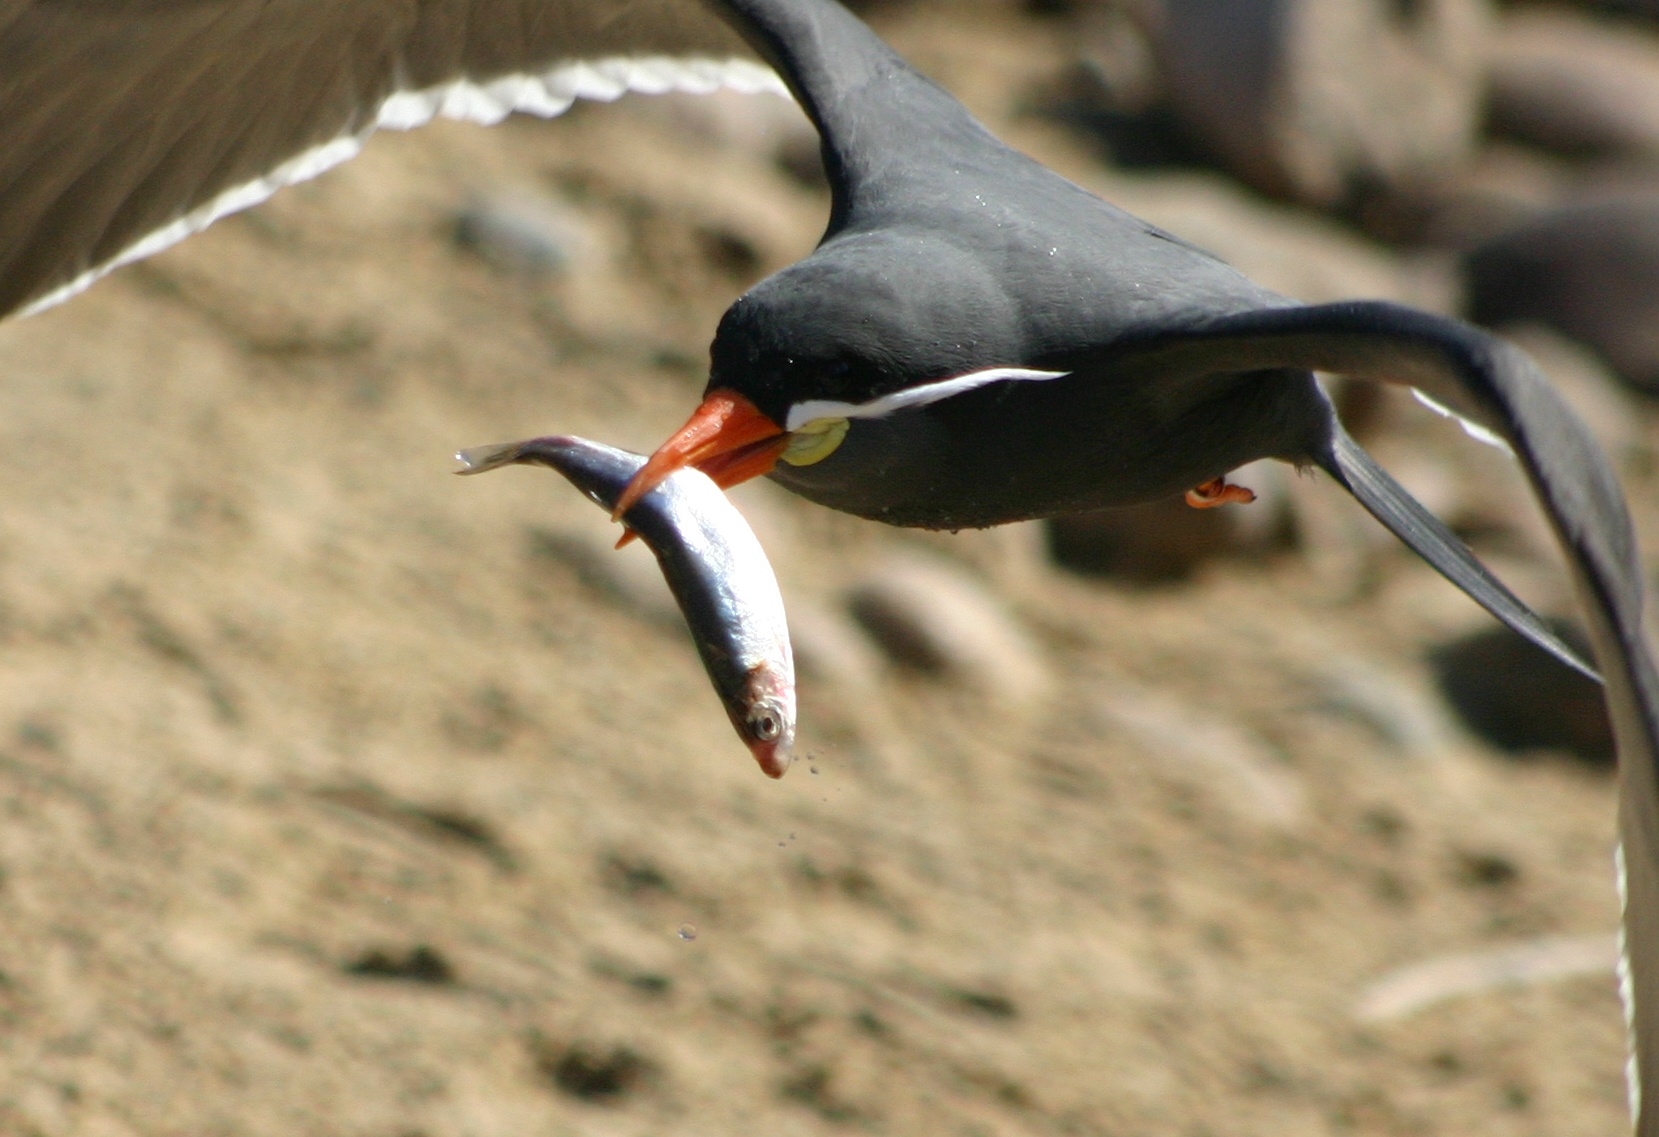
(480, 459)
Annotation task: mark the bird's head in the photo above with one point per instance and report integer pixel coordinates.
(820, 346)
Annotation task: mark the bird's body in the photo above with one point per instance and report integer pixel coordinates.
(949, 254)
(975, 341)
(980, 265)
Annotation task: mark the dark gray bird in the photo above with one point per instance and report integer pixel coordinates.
(975, 341)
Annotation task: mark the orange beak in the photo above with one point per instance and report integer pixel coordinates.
(728, 438)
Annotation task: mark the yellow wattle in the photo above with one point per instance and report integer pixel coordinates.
(815, 441)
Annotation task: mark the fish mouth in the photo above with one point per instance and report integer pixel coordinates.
(727, 437)
(764, 716)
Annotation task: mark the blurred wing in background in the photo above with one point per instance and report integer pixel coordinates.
(182, 111)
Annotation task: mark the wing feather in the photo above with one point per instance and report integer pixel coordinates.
(126, 125)
(1493, 383)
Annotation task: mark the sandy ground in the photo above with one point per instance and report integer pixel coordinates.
(341, 797)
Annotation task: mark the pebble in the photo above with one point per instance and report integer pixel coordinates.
(1291, 251)
(829, 646)
(935, 617)
(1408, 720)
(771, 128)
(1520, 700)
(1209, 750)
(523, 233)
(1308, 99)
(1419, 986)
(1575, 85)
(1502, 187)
(1589, 271)
(1167, 541)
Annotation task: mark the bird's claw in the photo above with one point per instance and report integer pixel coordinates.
(1219, 491)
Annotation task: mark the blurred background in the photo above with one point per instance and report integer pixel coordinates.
(341, 796)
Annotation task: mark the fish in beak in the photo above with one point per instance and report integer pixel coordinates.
(727, 437)
(714, 566)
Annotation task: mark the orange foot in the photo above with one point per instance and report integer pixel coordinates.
(1219, 491)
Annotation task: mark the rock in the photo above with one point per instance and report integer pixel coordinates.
(523, 233)
(1313, 99)
(1519, 699)
(771, 128)
(1209, 750)
(1575, 85)
(1166, 541)
(1419, 986)
(932, 616)
(829, 646)
(1641, 9)
(1113, 46)
(1113, 91)
(1501, 188)
(1589, 271)
(1407, 718)
(1288, 250)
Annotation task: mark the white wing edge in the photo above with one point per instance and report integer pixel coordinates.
(1627, 988)
(547, 95)
(919, 396)
(1473, 429)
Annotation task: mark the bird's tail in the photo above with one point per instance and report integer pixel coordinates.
(1387, 501)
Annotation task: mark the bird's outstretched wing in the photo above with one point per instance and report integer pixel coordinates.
(126, 125)
(1496, 385)
(1405, 517)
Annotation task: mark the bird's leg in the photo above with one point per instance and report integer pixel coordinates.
(1219, 491)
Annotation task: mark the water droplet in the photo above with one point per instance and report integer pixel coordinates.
(687, 932)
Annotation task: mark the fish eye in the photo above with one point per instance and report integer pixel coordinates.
(766, 726)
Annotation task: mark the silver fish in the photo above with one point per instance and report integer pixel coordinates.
(715, 567)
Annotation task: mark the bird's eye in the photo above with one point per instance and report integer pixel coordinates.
(814, 441)
(765, 726)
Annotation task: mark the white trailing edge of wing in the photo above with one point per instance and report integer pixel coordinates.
(1470, 427)
(547, 95)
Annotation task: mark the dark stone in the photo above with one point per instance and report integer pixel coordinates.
(1588, 271)
(1160, 543)
(1574, 85)
(1319, 100)
(602, 1077)
(421, 964)
(1520, 700)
